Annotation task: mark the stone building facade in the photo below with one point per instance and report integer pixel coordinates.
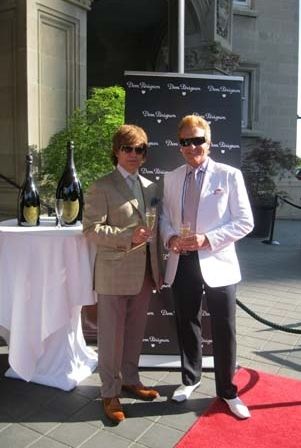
(52, 50)
(42, 79)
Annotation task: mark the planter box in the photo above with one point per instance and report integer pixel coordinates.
(263, 216)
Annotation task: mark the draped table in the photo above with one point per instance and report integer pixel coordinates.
(45, 279)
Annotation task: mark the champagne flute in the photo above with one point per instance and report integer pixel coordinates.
(185, 229)
(150, 218)
(59, 207)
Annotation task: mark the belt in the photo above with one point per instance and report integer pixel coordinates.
(189, 253)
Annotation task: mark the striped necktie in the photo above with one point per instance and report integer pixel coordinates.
(192, 196)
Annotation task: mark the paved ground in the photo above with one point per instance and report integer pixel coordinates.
(42, 417)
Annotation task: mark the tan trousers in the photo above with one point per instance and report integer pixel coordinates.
(121, 325)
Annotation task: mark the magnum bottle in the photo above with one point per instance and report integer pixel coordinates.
(29, 199)
(69, 189)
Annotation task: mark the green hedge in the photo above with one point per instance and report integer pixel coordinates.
(91, 129)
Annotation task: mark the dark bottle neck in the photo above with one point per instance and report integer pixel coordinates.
(70, 156)
(28, 167)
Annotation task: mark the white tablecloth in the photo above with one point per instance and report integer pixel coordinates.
(45, 278)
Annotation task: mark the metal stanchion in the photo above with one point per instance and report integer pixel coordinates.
(270, 240)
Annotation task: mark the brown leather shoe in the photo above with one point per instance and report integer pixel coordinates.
(113, 409)
(145, 393)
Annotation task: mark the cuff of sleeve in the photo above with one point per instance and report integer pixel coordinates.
(167, 246)
(209, 245)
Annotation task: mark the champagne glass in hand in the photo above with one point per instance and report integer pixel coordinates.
(185, 230)
(59, 207)
(150, 218)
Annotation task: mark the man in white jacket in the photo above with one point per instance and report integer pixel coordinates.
(212, 197)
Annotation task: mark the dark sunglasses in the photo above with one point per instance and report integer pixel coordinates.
(138, 149)
(195, 141)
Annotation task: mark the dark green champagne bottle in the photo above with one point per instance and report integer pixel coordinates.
(29, 199)
(69, 189)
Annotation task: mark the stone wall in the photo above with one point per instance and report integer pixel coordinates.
(266, 38)
(13, 98)
(56, 51)
(42, 79)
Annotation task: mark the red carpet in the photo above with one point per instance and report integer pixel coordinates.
(275, 406)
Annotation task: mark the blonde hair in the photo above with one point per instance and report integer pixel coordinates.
(195, 121)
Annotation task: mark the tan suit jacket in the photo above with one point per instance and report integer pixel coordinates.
(111, 213)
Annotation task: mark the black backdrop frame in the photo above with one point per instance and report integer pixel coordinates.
(156, 102)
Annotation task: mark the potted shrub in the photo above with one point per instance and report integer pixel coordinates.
(91, 129)
(265, 163)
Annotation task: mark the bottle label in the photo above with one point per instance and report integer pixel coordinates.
(31, 215)
(70, 211)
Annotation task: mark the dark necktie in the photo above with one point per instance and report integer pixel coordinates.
(136, 189)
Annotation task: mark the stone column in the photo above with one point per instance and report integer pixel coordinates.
(42, 79)
(13, 99)
(209, 45)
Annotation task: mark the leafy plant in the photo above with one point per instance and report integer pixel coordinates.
(91, 129)
(263, 166)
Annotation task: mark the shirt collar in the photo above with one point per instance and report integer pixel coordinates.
(201, 167)
(125, 173)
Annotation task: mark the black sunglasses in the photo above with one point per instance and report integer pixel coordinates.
(195, 141)
(138, 149)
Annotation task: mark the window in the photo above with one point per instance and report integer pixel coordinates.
(244, 3)
(249, 95)
(244, 8)
(245, 100)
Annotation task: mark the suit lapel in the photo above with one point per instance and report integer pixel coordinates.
(178, 189)
(207, 177)
(147, 192)
(206, 185)
(123, 188)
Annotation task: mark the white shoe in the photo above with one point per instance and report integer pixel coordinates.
(237, 407)
(183, 392)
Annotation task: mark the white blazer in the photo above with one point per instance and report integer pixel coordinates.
(224, 215)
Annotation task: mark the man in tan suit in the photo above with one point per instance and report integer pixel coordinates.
(126, 266)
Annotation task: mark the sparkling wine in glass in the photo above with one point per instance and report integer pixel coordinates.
(185, 230)
(150, 219)
(59, 207)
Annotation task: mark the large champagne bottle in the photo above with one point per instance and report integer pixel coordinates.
(69, 189)
(29, 200)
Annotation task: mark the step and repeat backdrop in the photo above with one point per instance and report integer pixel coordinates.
(157, 102)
